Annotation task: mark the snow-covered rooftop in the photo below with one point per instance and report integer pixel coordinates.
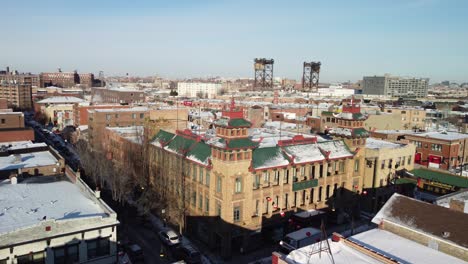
(61, 100)
(26, 204)
(443, 135)
(373, 143)
(28, 160)
(133, 109)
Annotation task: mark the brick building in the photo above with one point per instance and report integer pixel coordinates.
(17, 95)
(80, 112)
(444, 150)
(117, 95)
(12, 127)
(99, 119)
(60, 79)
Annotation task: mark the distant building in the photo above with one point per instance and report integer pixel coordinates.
(117, 95)
(99, 119)
(66, 79)
(444, 150)
(17, 95)
(395, 86)
(198, 89)
(52, 220)
(59, 110)
(8, 77)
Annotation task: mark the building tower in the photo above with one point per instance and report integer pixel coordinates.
(263, 74)
(310, 76)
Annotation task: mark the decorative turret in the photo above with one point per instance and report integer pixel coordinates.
(350, 124)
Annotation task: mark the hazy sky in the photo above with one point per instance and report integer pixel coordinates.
(195, 38)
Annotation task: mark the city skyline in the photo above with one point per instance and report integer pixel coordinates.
(422, 38)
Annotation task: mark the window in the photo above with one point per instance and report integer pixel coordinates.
(327, 192)
(418, 144)
(31, 258)
(194, 173)
(312, 171)
(98, 247)
(207, 178)
(200, 177)
(116, 115)
(218, 208)
(239, 155)
(218, 184)
(133, 116)
(266, 178)
(108, 117)
(285, 200)
(409, 160)
(341, 165)
(382, 165)
(356, 165)
(276, 203)
(285, 176)
(277, 177)
(257, 207)
(295, 199)
(321, 171)
(142, 115)
(320, 194)
(436, 147)
(238, 185)
(3, 120)
(302, 171)
(200, 202)
(256, 183)
(237, 214)
(403, 161)
(66, 254)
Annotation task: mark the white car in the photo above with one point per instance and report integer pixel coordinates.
(169, 237)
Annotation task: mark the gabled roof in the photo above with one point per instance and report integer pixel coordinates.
(304, 153)
(233, 122)
(427, 218)
(241, 143)
(200, 153)
(441, 177)
(180, 145)
(337, 148)
(162, 137)
(269, 157)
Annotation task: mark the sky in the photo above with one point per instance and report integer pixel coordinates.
(202, 38)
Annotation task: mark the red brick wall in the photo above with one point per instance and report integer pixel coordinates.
(16, 135)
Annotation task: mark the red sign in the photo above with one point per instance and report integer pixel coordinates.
(188, 103)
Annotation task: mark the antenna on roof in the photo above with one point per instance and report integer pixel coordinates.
(322, 245)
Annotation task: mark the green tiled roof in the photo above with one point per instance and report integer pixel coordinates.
(360, 132)
(163, 136)
(358, 116)
(241, 143)
(327, 113)
(234, 122)
(268, 157)
(180, 144)
(404, 181)
(201, 152)
(441, 177)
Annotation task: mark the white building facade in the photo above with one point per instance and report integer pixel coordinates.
(198, 89)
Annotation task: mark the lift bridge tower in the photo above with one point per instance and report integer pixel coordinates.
(263, 74)
(310, 76)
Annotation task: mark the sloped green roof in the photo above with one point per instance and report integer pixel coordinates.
(441, 177)
(233, 122)
(180, 144)
(358, 116)
(360, 132)
(327, 113)
(263, 158)
(405, 180)
(241, 143)
(201, 152)
(163, 136)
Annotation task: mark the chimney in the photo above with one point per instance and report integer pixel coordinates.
(97, 193)
(8, 69)
(13, 180)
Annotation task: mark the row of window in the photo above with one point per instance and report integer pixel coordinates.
(231, 132)
(232, 155)
(67, 254)
(434, 147)
(134, 116)
(400, 161)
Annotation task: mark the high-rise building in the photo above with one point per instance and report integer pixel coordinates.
(18, 95)
(395, 86)
(198, 89)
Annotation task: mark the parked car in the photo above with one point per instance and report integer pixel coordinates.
(188, 254)
(300, 238)
(169, 237)
(136, 253)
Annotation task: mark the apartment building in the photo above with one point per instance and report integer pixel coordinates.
(13, 77)
(444, 150)
(59, 79)
(411, 118)
(59, 109)
(12, 127)
(198, 89)
(395, 86)
(99, 119)
(80, 111)
(17, 95)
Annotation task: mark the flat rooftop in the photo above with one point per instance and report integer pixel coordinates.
(443, 135)
(27, 160)
(373, 143)
(27, 203)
